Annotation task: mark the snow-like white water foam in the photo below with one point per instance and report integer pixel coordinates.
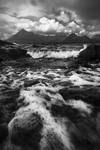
(53, 54)
(39, 99)
(38, 54)
(59, 53)
(80, 105)
(62, 54)
(84, 47)
(37, 104)
(77, 80)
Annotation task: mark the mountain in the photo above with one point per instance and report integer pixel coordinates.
(73, 38)
(25, 37)
(97, 36)
(57, 38)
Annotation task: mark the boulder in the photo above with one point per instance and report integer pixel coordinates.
(92, 52)
(1, 59)
(25, 130)
(89, 95)
(30, 82)
(3, 132)
(12, 54)
(2, 43)
(17, 53)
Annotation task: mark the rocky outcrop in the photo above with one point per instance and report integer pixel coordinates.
(2, 43)
(30, 82)
(89, 95)
(92, 52)
(12, 54)
(25, 130)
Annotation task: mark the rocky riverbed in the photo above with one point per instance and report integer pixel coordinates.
(50, 102)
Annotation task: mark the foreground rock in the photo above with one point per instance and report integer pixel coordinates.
(92, 52)
(89, 95)
(31, 82)
(25, 130)
(12, 54)
(2, 43)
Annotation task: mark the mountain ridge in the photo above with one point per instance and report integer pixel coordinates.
(25, 37)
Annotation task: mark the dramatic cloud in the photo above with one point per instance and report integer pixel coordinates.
(49, 16)
(46, 25)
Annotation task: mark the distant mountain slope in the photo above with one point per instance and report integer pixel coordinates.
(73, 38)
(97, 36)
(24, 37)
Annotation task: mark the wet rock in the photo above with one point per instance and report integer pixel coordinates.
(66, 111)
(30, 82)
(84, 135)
(12, 54)
(1, 59)
(17, 53)
(3, 132)
(90, 53)
(8, 105)
(89, 95)
(36, 46)
(98, 122)
(82, 129)
(2, 43)
(25, 130)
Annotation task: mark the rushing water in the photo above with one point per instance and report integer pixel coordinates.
(56, 52)
(62, 121)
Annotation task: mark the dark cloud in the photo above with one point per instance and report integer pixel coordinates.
(32, 18)
(15, 15)
(4, 9)
(6, 30)
(87, 9)
(34, 2)
(73, 15)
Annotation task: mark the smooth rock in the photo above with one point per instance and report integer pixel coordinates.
(25, 130)
(92, 52)
(30, 82)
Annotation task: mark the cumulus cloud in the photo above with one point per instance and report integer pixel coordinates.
(50, 16)
(10, 25)
(46, 25)
(87, 9)
(24, 24)
(63, 17)
(73, 27)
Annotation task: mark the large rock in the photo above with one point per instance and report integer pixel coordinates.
(2, 43)
(17, 53)
(12, 54)
(89, 95)
(28, 83)
(25, 130)
(92, 52)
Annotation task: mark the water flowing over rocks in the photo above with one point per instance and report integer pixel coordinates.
(50, 103)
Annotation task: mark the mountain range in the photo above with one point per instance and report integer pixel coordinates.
(25, 37)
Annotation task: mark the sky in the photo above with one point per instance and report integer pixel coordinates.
(49, 17)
